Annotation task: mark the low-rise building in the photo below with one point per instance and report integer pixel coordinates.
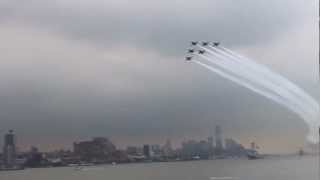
(97, 150)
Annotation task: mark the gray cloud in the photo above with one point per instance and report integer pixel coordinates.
(149, 24)
(76, 69)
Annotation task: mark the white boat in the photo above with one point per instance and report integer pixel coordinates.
(253, 154)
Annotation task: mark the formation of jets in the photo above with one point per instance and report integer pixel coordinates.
(204, 43)
(196, 43)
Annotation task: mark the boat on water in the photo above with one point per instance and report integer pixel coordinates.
(253, 154)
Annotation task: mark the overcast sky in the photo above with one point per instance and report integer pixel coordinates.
(74, 69)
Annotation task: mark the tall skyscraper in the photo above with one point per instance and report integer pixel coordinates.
(218, 136)
(9, 149)
(210, 142)
(211, 146)
(146, 151)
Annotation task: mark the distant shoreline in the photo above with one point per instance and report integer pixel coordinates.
(266, 157)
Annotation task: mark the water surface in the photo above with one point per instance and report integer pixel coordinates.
(294, 168)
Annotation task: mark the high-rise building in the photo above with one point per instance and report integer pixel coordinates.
(210, 141)
(146, 150)
(155, 150)
(218, 134)
(9, 149)
(211, 146)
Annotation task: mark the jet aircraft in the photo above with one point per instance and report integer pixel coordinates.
(201, 51)
(205, 43)
(190, 50)
(188, 58)
(216, 43)
(194, 43)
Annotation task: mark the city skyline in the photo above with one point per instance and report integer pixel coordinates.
(101, 150)
(217, 140)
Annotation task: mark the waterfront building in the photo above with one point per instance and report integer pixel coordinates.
(218, 138)
(167, 149)
(218, 134)
(155, 150)
(96, 150)
(134, 150)
(147, 151)
(233, 148)
(211, 146)
(9, 150)
(1, 160)
(36, 158)
(195, 149)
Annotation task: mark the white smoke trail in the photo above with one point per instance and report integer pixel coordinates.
(306, 101)
(250, 75)
(260, 77)
(252, 87)
(268, 73)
